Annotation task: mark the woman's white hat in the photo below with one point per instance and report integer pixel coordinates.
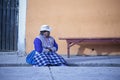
(45, 28)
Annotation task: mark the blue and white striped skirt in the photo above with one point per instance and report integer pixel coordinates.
(48, 59)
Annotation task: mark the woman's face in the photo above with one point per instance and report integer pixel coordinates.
(46, 33)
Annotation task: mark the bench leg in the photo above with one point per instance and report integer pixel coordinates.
(68, 50)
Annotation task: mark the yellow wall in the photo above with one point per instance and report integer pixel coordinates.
(75, 18)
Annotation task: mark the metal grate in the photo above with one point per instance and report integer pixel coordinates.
(9, 25)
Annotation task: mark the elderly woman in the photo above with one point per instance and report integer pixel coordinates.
(45, 49)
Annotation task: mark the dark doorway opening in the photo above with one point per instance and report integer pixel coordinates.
(9, 10)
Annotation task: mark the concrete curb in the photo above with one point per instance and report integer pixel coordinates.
(68, 65)
(93, 65)
(15, 65)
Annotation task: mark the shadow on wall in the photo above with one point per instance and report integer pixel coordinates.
(99, 49)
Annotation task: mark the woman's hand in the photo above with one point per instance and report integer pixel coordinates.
(46, 50)
(49, 49)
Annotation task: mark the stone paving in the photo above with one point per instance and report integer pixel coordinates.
(14, 67)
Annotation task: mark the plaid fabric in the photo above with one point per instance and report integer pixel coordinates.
(46, 59)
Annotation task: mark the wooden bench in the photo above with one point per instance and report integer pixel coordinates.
(73, 41)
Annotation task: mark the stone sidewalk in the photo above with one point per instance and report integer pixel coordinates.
(112, 61)
(14, 67)
(94, 61)
(59, 73)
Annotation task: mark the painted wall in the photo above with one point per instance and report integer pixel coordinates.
(75, 18)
